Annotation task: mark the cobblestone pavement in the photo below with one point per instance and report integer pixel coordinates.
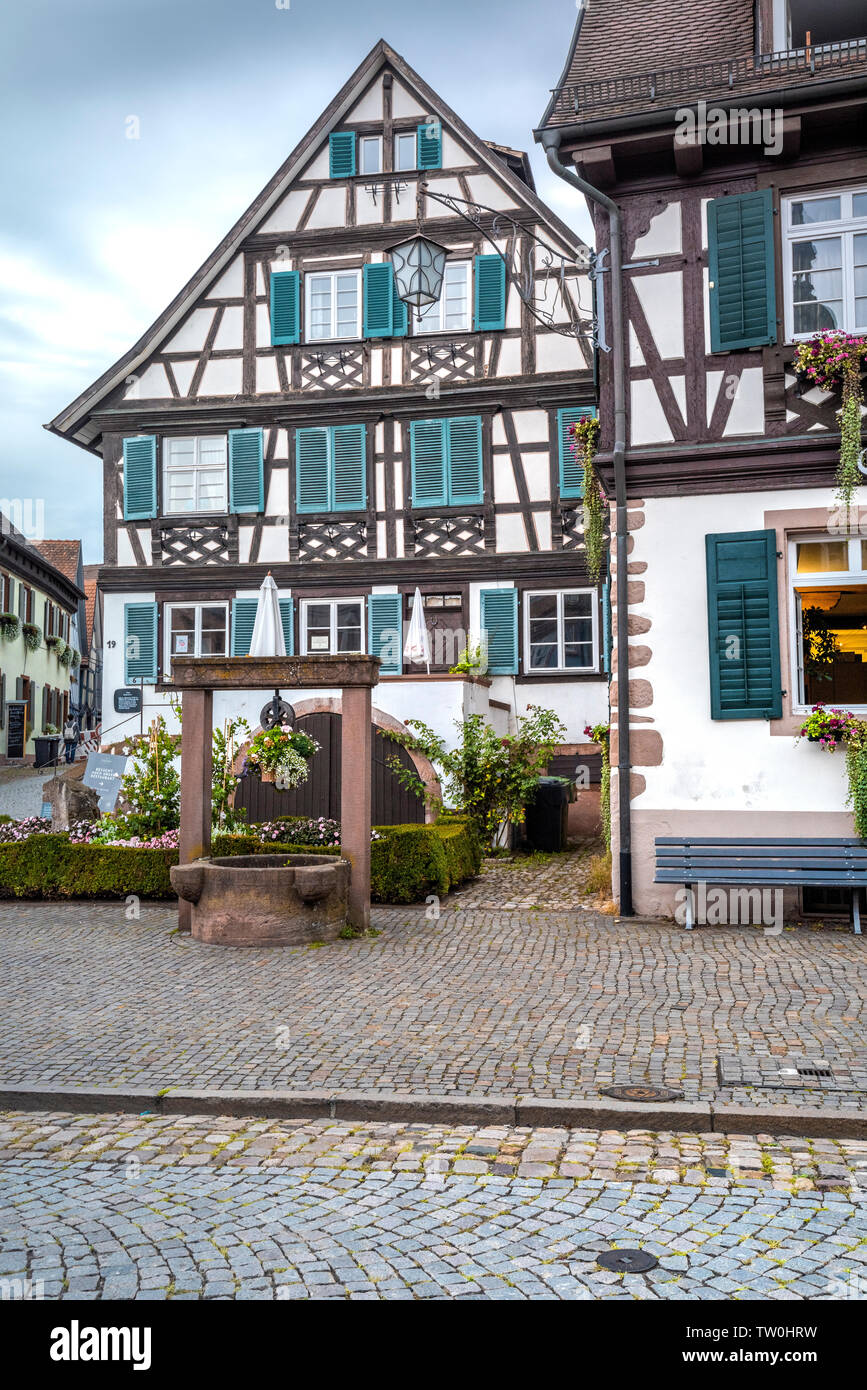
(538, 1004)
(121, 1207)
(548, 882)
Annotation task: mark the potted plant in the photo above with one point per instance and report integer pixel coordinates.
(65, 657)
(32, 636)
(10, 626)
(835, 728)
(833, 361)
(280, 756)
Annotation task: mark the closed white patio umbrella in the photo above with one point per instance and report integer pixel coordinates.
(417, 646)
(267, 639)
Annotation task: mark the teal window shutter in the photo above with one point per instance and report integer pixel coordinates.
(140, 478)
(427, 440)
(741, 271)
(571, 467)
(246, 471)
(500, 622)
(430, 145)
(312, 491)
(490, 295)
(465, 460)
(743, 625)
(348, 490)
(341, 154)
(285, 307)
(140, 643)
(287, 607)
(385, 632)
(243, 620)
(400, 316)
(378, 300)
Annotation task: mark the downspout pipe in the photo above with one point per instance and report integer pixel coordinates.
(550, 140)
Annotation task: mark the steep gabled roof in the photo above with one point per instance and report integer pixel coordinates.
(63, 555)
(72, 422)
(622, 38)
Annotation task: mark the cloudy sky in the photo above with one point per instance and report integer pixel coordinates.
(98, 231)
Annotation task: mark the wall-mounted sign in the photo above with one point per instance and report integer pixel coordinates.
(127, 701)
(104, 772)
(16, 728)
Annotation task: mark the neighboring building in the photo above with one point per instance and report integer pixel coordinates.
(733, 252)
(38, 619)
(67, 556)
(90, 690)
(287, 414)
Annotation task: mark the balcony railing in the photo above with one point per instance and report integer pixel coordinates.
(703, 79)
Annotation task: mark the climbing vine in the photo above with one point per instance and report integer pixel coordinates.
(585, 436)
(601, 735)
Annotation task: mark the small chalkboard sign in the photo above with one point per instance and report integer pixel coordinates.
(104, 772)
(16, 728)
(127, 701)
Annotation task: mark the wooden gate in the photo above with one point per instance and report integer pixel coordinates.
(392, 804)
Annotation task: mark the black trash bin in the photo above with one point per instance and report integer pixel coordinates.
(547, 813)
(45, 748)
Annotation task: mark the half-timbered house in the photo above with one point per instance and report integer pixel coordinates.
(288, 413)
(729, 134)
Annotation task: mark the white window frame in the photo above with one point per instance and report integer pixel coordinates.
(421, 327)
(168, 609)
(825, 579)
(407, 135)
(198, 466)
(312, 275)
(371, 139)
(304, 605)
(846, 228)
(560, 669)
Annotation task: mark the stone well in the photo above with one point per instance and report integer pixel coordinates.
(264, 899)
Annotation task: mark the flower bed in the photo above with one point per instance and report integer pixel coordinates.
(408, 862)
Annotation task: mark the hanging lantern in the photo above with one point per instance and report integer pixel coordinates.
(418, 270)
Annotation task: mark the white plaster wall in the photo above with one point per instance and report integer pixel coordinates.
(714, 764)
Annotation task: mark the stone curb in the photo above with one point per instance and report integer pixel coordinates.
(414, 1108)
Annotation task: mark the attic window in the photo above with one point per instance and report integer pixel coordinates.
(405, 150)
(799, 24)
(370, 154)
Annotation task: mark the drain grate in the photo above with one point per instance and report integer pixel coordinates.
(627, 1261)
(641, 1092)
(794, 1073)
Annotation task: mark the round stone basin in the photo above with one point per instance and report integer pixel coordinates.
(265, 899)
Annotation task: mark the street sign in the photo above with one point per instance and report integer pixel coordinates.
(104, 772)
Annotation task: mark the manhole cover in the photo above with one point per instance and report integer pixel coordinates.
(627, 1261)
(636, 1091)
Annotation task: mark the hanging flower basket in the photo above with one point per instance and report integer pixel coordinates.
(833, 361)
(10, 626)
(839, 728)
(32, 636)
(281, 757)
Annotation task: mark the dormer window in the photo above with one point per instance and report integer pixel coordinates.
(803, 24)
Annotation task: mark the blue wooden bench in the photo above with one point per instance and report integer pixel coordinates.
(763, 863)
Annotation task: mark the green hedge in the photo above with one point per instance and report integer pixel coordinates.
(407, 864)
